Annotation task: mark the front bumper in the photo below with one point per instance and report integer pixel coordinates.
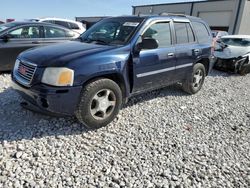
(236, 65)
(48, 99)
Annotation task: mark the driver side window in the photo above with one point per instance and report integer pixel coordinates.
(25, 32)
(160, 32)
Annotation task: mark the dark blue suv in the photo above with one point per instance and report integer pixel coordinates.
(116, 58)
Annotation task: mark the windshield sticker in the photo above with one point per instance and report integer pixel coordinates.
(131, 24)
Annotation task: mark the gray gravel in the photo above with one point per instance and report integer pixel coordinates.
(163, 138)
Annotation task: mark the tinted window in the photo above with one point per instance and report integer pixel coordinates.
(160, 32)
(62, 23)
(181, 33)
(69, 34)
(190, 33)
(201, 32)
(25, 32)
(52, 32)
(73, 25)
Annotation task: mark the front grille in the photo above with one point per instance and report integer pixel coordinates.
(25, 72)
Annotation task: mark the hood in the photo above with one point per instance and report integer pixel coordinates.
(232, 52)
(61, 53)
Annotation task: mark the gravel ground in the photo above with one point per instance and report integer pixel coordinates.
(163, 138)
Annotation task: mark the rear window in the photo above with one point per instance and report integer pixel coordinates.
(52, 32)
(236, 41)
(201, 32)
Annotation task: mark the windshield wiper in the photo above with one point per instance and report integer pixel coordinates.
(99, 41)
(94, 40)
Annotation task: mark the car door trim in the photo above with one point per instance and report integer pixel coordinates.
(163, 70)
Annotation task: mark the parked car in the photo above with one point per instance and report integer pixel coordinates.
(70, 24)
(233, 54)
(16, 37)
(115, 59)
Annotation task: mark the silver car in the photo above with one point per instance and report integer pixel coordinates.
(233, 54)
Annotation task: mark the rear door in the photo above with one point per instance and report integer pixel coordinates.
(186, 48)
(155, 67)
(56, 35)
(21, 38)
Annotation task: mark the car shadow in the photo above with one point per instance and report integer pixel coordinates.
(17, 123)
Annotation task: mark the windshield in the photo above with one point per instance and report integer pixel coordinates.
(236, 41)
(6, 26)
(112, 31)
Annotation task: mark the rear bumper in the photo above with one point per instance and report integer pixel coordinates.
(49, 100)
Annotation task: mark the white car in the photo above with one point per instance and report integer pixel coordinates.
(70, 24)
(233, 53)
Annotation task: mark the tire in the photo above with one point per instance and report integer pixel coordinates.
(99, 104)
(194, 83)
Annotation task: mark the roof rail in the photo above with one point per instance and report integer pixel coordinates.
(171, 14)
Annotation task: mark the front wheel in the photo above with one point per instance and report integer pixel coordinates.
(100, 102)
(193, 84)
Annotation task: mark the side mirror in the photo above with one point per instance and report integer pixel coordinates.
(6, 37)
(147, 43)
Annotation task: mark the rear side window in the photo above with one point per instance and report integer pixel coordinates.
(160, 32)
(190, 33)
(181, 33)
(62, 23)
(184, 33)
(73, 25)
(52, 32)
(201, 32)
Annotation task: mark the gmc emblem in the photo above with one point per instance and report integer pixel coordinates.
(23, 70)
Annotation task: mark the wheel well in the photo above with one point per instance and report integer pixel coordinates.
(114, 77)
(205, 62)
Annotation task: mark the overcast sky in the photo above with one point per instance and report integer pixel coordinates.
(23, 9)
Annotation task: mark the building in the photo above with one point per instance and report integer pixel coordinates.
(227, 15)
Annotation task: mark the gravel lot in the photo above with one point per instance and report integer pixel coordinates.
(163, 138)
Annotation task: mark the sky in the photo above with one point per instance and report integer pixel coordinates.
(24, 9)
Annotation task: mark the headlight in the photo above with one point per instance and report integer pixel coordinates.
(16, 65)
(58, 76)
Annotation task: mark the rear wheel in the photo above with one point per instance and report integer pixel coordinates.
(100, 102)
(193, 84)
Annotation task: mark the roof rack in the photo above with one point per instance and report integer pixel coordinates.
(161, 14)
(171, 14)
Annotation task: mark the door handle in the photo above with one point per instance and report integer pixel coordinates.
(171, 55)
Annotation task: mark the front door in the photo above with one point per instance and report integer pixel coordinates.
(155, 67)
